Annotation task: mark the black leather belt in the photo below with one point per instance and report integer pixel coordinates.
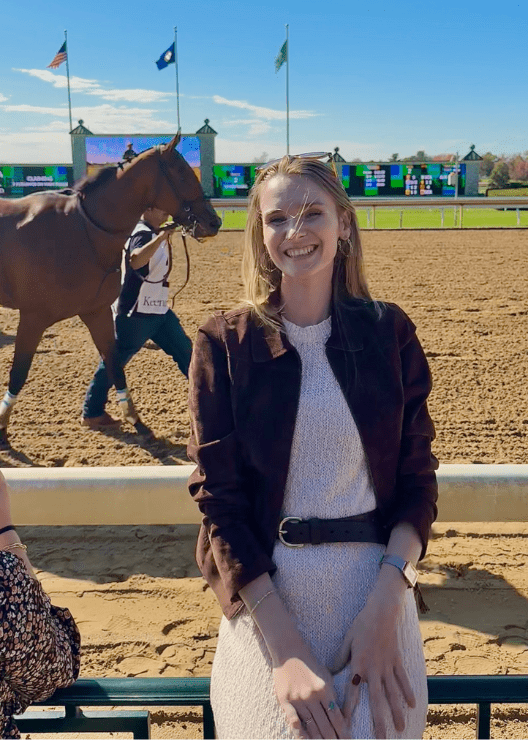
(296, 532)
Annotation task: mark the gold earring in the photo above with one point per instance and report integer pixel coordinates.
(345, 246)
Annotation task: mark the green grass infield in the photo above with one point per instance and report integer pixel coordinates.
(414, 218)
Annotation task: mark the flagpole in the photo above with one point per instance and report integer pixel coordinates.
(69, 92)
(177, 82)
(287, 90)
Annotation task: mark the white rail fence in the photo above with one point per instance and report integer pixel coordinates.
(159, 495)
(372, 205)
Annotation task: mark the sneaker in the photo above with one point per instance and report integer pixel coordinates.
(105, 421)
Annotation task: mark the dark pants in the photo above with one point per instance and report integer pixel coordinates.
(131, 334)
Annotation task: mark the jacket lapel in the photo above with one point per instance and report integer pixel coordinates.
(267, 343)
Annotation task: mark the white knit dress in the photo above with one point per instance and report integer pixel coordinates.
(323, 586)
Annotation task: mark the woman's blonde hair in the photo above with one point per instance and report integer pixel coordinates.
(260, 277)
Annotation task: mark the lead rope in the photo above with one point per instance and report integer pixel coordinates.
(188, 260)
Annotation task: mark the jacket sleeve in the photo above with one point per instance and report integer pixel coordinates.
(416, 486)
(229, 554)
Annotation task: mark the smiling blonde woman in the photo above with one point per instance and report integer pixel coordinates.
(315, 478)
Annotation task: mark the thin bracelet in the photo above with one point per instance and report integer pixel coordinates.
(15, 545)
(268, 593)
(7, 529)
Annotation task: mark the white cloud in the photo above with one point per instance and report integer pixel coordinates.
(115, 119)
(2, 98)
(132, 96)
(268, 113)
(63, 126)
(257, 127)
(25, 108)
(77, 84)
(239, 121)
(104, 118)
(93, 87)
(35, 147)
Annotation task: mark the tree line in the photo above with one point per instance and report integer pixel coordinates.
(505, 170)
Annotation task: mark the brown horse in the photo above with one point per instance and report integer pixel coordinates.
(60, 254)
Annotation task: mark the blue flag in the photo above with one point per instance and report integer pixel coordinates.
(168, 57)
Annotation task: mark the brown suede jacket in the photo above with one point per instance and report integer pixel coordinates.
(244, 389)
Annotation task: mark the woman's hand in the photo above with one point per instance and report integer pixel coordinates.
(306, 693)
(304, 687)
(372, 646)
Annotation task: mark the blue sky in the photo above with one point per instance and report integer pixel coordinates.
(372, 78)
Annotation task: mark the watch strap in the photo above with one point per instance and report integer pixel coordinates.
(401, 564)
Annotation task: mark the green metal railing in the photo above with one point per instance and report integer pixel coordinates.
(480, 690)
(123, 692)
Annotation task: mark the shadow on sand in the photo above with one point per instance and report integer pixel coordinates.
(113, 553)
(160, 448)
(6, 339)
(13, 458)
(472, 598)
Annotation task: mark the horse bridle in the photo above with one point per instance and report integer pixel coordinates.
(185, 217)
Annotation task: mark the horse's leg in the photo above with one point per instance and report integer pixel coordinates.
(101, 327)
(31, 327)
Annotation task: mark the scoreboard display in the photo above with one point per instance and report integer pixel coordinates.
(19, 180)
(401, 179)
(398, 179)
(233, 180)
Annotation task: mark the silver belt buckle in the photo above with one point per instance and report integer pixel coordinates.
(282, 531)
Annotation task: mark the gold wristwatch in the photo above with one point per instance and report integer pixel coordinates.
(405, 567)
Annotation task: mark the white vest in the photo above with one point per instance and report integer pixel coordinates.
(154, 292)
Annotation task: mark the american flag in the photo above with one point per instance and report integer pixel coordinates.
(59, 57)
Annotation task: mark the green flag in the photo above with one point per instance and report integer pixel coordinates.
(282, 56)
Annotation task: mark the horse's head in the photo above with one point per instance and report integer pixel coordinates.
(178, 192)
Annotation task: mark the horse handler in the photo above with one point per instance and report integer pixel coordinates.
(142, 314)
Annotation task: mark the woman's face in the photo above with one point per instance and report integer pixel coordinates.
(301, 227)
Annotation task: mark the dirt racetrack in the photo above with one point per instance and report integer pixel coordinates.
(143, 610)
(466, 291)
(135, 591)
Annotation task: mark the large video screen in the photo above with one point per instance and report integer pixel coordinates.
(359, 180)
(102, 151)
(401, 179)
(233, 180)
(19, 180)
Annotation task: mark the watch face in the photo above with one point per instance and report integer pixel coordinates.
(411, 574)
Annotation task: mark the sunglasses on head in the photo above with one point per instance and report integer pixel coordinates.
(311, 156)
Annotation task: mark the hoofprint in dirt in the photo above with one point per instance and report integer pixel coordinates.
(466, 292)
(143, 609)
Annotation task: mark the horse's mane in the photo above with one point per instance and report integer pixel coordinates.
(89, 183)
